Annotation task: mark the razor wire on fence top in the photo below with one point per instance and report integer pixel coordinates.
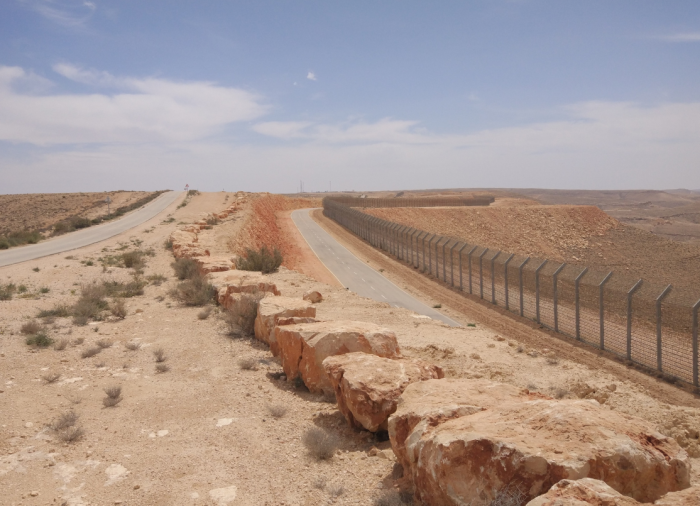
(642, 322)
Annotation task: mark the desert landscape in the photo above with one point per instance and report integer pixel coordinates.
(151, 398)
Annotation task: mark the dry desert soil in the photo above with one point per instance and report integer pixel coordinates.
(211, 430)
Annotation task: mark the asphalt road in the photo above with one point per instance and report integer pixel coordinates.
(355, 274)
(87, 236)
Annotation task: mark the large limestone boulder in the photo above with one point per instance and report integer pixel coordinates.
(232, 282)
(583, 492)
(433, 402)
(534, 444)
(208, 265)
(688, 497)
(367, 387)
(304, 347)
(313, 296)
(271, 309)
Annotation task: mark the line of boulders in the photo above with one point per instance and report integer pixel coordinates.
(465, 441)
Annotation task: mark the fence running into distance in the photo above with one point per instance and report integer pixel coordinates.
(634, 319)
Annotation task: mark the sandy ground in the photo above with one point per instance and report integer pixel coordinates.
(202, 433)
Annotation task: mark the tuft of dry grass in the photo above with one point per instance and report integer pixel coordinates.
(196, 291)
(320, 482)
(204, 313)
(161, 368)
(248, 364)
(65, 427)
(320, 443)
(336, 490)
(51, 377)
(31, 328)
(114, 396)
(159, 355)
(104, 343)
(240, 318)
(277, 410)
(71, 434)
(78, 341)
(109, 402)
(553, 361)
(132, 346)
(118, 308)
(61, 344)
(559, 393)
(91, 352)
(185, 268)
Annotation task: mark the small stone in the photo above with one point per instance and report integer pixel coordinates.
(612, 387)
(33, 493)
(29, 425)
(136, 487)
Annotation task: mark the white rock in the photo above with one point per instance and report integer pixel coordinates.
(223, 496)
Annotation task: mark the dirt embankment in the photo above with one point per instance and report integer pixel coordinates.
(39, 211)
(262, 227)
(578, 235)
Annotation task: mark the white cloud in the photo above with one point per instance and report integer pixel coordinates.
(682, 37)
(69, 13)
(145, 110)
(311, 76)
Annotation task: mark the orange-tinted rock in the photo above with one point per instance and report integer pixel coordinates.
(367, 387)
(213, 264)
(535, 444)
(433, 402)
(303, 347)
(583, 492)
(313, 296)
(272, 308)
(231, 282)
(688, 497)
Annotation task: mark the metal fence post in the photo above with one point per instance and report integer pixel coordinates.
(577, 282)
(629, 317)
(452, 264)
(537, 289)
(602, 309)
(437, 263)
(417, 252)
(424, 238)
(659, 299)
(695, 343)
(470, 268)
(493, 278)
(459, 253)
(481, 273)
(430, 254)
(520, 282)
(444, 261)
(505, 277)
(555, 296)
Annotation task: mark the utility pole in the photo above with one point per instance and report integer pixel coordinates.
(108, 200)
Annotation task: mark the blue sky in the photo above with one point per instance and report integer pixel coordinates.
(98, 95)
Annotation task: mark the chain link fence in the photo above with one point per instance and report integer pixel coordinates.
(643, 322)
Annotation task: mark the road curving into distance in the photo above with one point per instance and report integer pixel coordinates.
(90, 235)
(355, 274)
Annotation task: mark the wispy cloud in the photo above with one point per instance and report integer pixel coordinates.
(69, 13)
(311, 76)
(682, 37)
(144, 110)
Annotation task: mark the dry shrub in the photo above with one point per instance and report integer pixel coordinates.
(78, 341)
(320, 482)
(336, 490)
(118, 308)
(240, 318)
(114, 396)
(553, 361)
(51, 377)
(132, 346)
(90, 304)
(40, 339)
(110, 402)
(58, 311)
(320, 443)
(104, 343)
(159, 354)
(61, 344)
(185, 268)
(248, 364)
(509, 496)
(133, 259)
(91, 352)
(161, 368)
(31, 328)
(559, 393)
(204, 313)
(277, 410)
(156, 279)
(65, 427)
(120, 289)
(263, 260)
(71, 434)
(196, 291)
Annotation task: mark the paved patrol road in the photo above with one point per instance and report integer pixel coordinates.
(90, 235)
(355, 274)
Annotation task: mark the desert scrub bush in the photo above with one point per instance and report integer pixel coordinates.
(78, 341)
(58, 311)
(114, 396)
(277, 410)
(20, 238)
(185, 268)
(168, 244)
(31, 327)
(65, 427)
(204, 313)
(44, 289)
(156, 279)
(248, 364)
(104, 343)
(7, 290)
(159, 355)
(120, 289)
(212, 221)
(61, 344)
(133, 259)
(118, 308)
(162, 368)
(320, 443)
(263, 260)
(51, 377)
(91, 352)
(196, 291)
(40, 340)
(90, 304)
(132, 346)
(240, 317)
